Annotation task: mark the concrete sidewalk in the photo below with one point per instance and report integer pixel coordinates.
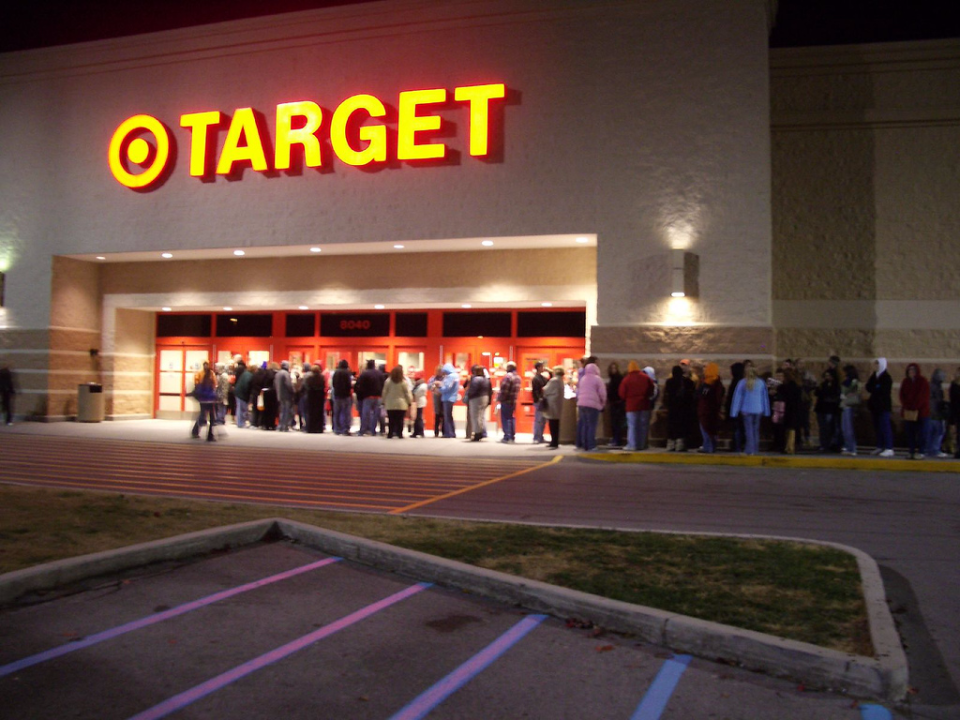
(178, 431)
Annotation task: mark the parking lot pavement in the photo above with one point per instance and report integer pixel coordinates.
(277, 630)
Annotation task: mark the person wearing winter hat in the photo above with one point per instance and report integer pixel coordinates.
(709, 404)
(636, 391)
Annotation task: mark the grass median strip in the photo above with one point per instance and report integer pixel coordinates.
(793, 590)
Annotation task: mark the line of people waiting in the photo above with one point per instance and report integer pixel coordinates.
(694, 404)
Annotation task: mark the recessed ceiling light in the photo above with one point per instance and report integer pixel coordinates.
(314, 249)
(239, 253)
(546, 304)
(487, 243)
(466, 306)
(304, 307)
(398, 247)
(100, 257)
(227, 309)
(583, 240)
(166, 255)
(378, 307)
(166, 309)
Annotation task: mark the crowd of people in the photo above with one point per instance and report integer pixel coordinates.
(694, 405)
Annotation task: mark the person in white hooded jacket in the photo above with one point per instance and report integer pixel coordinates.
(591, 398)
(880, 387)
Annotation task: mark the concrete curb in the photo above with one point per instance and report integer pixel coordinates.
(71, 570)
(778, 461)
(884, 676)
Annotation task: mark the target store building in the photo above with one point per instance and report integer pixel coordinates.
(420, 182)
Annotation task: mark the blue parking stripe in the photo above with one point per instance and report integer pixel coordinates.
(180, 701)
(425, 702)
(875, 712)
(660, 692)
(156, 618)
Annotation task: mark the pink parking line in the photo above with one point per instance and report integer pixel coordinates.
(156, 618)
(177, 702)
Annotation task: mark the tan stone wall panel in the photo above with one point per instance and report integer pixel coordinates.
(128, 405)
(129, 382)
(126, 363)
(24, 340)
(681, 342)
(77, 340)
(824, 224)
(75, 294)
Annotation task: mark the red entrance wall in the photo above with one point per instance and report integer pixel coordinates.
(354, 345)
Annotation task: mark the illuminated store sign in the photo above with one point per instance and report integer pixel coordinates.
(303, 126)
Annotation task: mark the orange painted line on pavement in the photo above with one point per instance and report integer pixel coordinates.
(423, 503)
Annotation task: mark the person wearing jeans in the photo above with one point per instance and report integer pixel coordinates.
(636, 390)
(750, 400)
(849, 402)
(537, 383)
(880, 387)
(591, 397)
(449, 391)
(507, 397)
(939, 414)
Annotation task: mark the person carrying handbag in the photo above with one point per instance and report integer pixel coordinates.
(915, 410)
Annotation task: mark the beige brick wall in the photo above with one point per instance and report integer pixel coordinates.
(865, 217)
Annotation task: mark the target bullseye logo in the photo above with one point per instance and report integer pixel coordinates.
(129, 147)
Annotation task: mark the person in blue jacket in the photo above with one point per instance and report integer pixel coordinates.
(751, 401)
(449, 393)
(205, 391)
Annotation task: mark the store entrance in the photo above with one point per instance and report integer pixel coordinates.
(177, 366)
(567, 357)
(416, 340)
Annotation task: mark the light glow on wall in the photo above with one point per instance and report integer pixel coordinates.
(679, 311)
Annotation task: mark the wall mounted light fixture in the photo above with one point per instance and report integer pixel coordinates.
(684, 273)
(676, 273)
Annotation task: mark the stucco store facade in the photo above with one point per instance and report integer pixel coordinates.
(610, 151)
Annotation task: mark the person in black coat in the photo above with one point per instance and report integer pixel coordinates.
(271, 404)
(316, 389)
(617, 406)
(880, 387)
(7, 391)
(256, 386)
(827, 409)
(680, 402)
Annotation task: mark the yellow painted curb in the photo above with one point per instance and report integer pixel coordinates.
(779, 461)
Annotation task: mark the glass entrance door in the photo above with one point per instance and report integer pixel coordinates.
(176, 370)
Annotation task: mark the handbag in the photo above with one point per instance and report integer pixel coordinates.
(779, 410)
(911, 415)
(543, 404)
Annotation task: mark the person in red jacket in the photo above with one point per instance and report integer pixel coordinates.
(915, 409)
(636, 390)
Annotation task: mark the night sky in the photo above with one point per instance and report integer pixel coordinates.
(28, 24)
